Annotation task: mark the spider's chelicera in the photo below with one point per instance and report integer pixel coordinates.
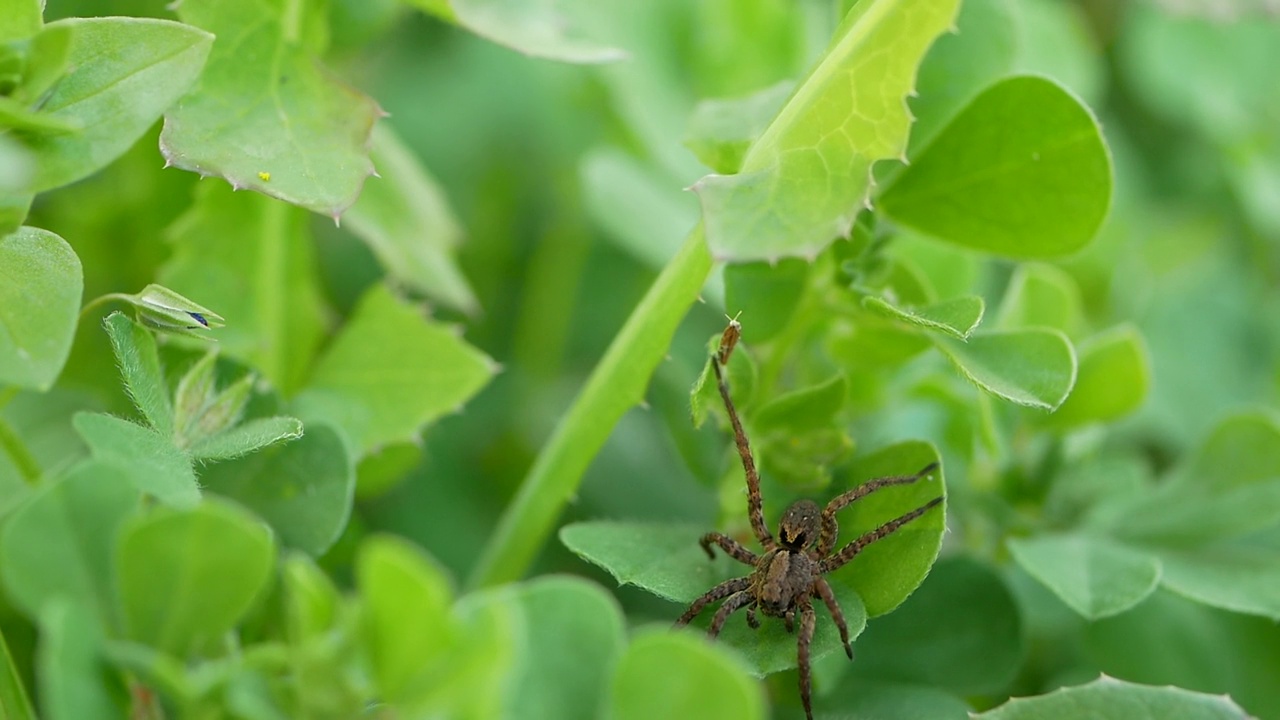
(789, 575)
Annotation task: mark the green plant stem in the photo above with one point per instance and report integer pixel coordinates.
(14, 703)
(617, 383)
(101, 300)
(17, 451)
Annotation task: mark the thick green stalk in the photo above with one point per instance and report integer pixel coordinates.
(617, 383)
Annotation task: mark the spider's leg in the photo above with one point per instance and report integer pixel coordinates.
(807, 622)
(823, 590)
(755, 505)
(722, 590)
(789, 620)
(831, 530)
(735, 602)
(734, 548)
(751, 617)
(848, 552)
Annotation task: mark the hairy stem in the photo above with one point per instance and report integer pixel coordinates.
(617, 383)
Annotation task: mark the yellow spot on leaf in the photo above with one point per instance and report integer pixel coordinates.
(265, 176)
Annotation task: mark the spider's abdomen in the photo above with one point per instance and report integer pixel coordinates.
(783, 578)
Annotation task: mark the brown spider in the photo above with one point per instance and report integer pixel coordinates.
(789, 575)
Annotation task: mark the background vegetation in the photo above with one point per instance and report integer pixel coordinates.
(441, 461)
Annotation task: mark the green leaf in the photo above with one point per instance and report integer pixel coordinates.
(1243, 448)
(957, 317)
(1021, 172)
(809, 408)
(14, 116)
(663, 559)
(540, 29)
(1239, 577)
(122, 74)
(1110, 699)
(59, 544)
(889, 570)
(312, 603)
(1034, 366)
(1095, 576)
(962, 611)
(75, 680)
(1114, 378)
(961, 63)
(14, 703)
(151, 462)
(766, 295)
(406, 599)
(1041, 295)
(569, 640)
(47, 59)
(14, 206)
(139, 363)
(186, 577)
(857, 697)
(40, 287)
(265, 115)
(378, 397)
(247, 437)
(252, 258)
(662, 674)
(303, 489)
(807, 176)
(21, 19)
(721, 130)
(639, 207)
(405, 219)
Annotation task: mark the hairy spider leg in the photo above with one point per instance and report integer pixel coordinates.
(724, 589)
(831, 529)
(755, 506)
(732, 547)
(752, 622)
(823, 590)
(735, 602)
(848, 552)
(807, 622)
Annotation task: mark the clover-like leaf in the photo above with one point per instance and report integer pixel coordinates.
(1114, 376)
(668, 675)
(809, 173)
(1022, 172)
(1034, 366)
(122, 73)
(265, 115)
(1096, 576)
(1041, 295)
(539, 28)
(378, 397)
(957, 317)
(40, 287)
(186, 577)
(1110, 699)
(150, 461)
(405, 219)
(303, 488)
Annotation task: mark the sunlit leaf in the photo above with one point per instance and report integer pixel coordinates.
(1095, 576)
(1110, 699)
(668, 675)
(40, 287)
(1035, 366)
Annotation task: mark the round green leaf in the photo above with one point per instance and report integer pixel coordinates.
(122, 74)
(1041, 295)
(663, 559)
(539, 29)
(857, 697)
(889, 570)
(59, 545)
(1035, 366)
(40, 287)
(668, 675)
(1242, 448)
(956, 317)
(186, 577)
(1110, 699)
(1239, 577)
(1097, 577)
(1114, 377)
(406, 599)
(961, 612)
(1022, 172)
(302, 488)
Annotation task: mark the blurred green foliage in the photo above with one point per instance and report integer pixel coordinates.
(1037, 240)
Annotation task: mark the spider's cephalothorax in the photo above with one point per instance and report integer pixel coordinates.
(789, 575)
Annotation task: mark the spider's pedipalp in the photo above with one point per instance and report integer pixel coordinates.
(724, 589)
(848, 552)
(732, 548)
(831, 530)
